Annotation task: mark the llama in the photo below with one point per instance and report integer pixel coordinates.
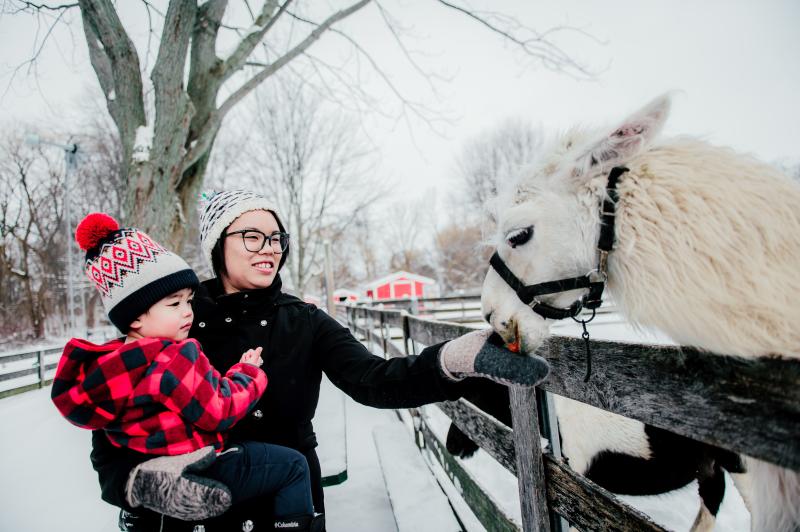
(707, 249)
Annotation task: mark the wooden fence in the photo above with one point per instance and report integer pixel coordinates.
(18, 367)
(747, 406)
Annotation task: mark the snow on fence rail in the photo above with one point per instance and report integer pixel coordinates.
(747, 406)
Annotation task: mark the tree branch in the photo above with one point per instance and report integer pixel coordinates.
(116, 63)
(173, 108)
(551, 55)
(262, 24)
(39, 7)
(251, 84)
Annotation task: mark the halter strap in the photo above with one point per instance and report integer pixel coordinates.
(595, 280)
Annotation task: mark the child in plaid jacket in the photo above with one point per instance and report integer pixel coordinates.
(155, 392)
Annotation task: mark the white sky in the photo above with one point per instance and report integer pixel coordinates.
(735, 63)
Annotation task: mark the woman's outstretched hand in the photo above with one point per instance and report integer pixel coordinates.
(481, 354)
(168, 485)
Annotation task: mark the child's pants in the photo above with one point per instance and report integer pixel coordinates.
(253, 469)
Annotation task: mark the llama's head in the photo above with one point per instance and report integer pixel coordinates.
(548, 219)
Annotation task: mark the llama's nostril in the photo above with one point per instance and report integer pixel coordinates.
(488, 317)
(504, 324)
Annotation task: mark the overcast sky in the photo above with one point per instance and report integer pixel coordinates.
(736, 65)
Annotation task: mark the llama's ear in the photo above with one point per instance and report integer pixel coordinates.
(631, 137)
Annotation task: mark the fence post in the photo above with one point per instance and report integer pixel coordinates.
(406, 334)
(530, 467)
(383, 336)
(40, 356)
(549, 427)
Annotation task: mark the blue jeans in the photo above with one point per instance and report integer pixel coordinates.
(278, 474)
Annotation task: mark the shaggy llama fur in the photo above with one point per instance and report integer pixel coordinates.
(707, 250)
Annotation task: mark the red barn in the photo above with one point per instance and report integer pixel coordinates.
(401, 285)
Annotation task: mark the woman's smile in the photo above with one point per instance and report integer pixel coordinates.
(265, 266)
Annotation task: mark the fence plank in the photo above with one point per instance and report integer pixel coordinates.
(588, 506)
(18, 373)
(748, 406)
(431, 332)
(530, 469)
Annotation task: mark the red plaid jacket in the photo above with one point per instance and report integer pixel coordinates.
(155, 396)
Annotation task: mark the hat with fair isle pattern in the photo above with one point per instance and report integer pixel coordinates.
(129, 269)
(218, 210)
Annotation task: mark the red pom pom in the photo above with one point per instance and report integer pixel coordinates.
(93, 229)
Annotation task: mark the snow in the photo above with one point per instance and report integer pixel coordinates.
(112, 96)
(330, 426)
(361, 504)
(417, 500)
(142, 144)
(47, 479)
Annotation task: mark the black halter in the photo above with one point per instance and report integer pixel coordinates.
(595, 280)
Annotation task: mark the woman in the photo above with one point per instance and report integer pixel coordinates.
(243, 306)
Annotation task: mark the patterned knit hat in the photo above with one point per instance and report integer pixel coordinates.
(130, 270)
(218, 210)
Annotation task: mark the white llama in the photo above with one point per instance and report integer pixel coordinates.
(707, 250)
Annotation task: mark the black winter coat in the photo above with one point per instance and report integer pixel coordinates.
(300, 342)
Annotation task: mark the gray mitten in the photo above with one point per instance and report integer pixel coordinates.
(166, 485)
(481, 354)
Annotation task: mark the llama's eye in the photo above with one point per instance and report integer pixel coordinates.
(519, 237)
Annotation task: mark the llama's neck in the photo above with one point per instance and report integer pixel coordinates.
(707, 247)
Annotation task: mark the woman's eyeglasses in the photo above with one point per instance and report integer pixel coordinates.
(254, 240)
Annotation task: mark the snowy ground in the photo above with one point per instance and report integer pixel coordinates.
(47, 483)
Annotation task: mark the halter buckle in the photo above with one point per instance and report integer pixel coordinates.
(602, 264)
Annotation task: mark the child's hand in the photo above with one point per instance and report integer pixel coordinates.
(252, 356)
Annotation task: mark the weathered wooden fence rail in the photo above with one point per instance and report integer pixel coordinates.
(748, 406)
(19, 364)
(40, 361)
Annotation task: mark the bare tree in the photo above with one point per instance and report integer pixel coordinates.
(312, 161)
(166, 148)
(407, 235)
(33, 230)
(462, 257)
(492, 157)
(34, 245)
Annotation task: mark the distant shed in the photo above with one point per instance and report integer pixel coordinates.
(399, 285)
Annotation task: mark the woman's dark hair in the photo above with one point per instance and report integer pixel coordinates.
(218, 256)
(218, 251)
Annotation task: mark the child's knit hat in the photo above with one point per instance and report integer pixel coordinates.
(218, 210)
(130, 270)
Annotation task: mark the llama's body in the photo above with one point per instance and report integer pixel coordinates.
(707, 250)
